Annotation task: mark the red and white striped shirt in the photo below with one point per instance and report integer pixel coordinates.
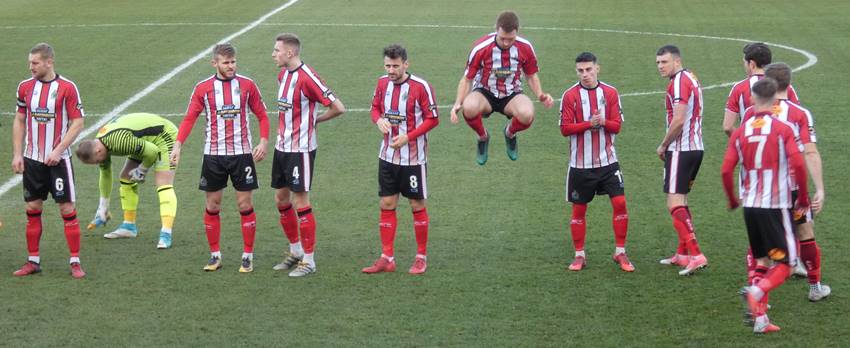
(407, 106)
(299, 91)
(798, 118)
(741, 97)
(225, 103)
(591, 147)
(765, 147)
(500, 70)
(685, 88)
(49, 107)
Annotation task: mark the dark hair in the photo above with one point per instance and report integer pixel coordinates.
(224, 50)
(780, 72)
(757, 52)
(585, 57)
(290, 39)
(765, 88)
(395, 51)
(672, 49)
(42, 49)
(508, 21)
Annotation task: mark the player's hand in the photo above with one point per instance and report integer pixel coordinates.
(800, 206)
(817, 202)
(138, 174)
(596, 120)
(260, 150)
(18, 164)
(547, 100)
(661, 151)
(53, 158)
(734, 204)
(383, 125)
(399, 141)
(455, 109)
(174, 158)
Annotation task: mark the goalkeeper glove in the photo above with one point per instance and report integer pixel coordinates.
(138, 174)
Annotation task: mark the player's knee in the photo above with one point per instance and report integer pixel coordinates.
(213, 206)
(805, 231)
(302, 199)
(245, 205)
(65, 208)
(388, 203)
(35, 205)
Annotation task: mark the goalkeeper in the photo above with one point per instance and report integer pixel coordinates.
(146, 140)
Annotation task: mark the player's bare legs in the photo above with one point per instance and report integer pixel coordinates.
(521, 111)
(475, 106)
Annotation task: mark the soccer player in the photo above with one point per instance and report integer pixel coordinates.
(146, 140)
(404, 108)
(682, 151)
(292, 166)
(804, 123)
(767, 151)
(591, 117)
(50, 114)
(494, 72)
(757, 55)
(225, 98)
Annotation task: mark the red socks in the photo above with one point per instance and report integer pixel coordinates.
(249, 229)
(289, 223)
(33, 231)
(810, 255)
(684, 226)
(751, 266)
(307, 225)
(517, 126)
(620, 220)
(212, 225)
(476, 125)
(72, 233)
(420, 228)
(387, 226)
(578, 228)
(774, 277)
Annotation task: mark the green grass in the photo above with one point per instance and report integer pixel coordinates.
(498, 244)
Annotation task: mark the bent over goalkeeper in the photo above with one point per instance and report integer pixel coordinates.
(147, 141)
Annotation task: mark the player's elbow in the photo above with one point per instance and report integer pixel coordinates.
(339, 107)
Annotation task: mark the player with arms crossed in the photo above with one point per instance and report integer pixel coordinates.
(494, 72)
(146, 140)
(405, 109)
(757, 56)
(50, 115)
(802, 120)
(292, 166)
(225, 99)
(591, 117)
(682, 151)
(767, 150)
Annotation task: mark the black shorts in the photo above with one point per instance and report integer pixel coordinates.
(239, 168)
(771, 233)
(680, 170)
(293, 170)
(39, 179)
(584, 183)
(410, 181)
(806, 216)
(497, 104)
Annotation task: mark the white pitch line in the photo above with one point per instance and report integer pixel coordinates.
(15, 180)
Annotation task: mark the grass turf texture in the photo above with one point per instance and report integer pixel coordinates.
(499, 240)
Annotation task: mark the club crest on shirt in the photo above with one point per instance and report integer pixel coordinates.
(283, 105)
(42, 115)
(502, 73)
(394, 117)
(228, 112)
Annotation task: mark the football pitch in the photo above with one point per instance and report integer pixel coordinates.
(499, 236)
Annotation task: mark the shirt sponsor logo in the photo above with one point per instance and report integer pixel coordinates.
(502, 73)
(394, 117)
(42, 115)
(283, 105)
(228, 112)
